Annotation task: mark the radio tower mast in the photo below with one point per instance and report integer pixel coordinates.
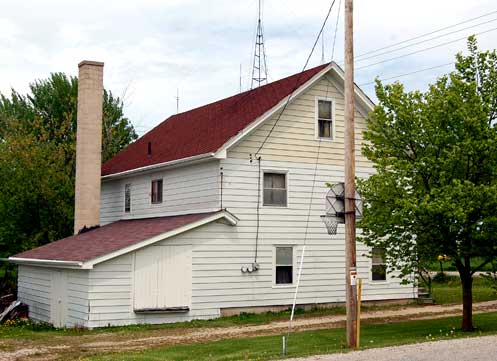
(259, 70)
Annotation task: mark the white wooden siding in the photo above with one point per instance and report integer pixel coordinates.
(112, 295)
(33, 288)
(36, 289)
(189, 189)
(106, 295)
(294, 136)
(323, 272)
(293, 148)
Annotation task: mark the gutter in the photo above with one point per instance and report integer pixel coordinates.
(46, 262)
(171, 163)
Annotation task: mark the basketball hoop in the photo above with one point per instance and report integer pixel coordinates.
(331, 223)
(335, 207)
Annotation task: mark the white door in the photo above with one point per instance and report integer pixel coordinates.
(163, 277)
(58, 301)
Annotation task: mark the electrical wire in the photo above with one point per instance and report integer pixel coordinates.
(296, 81)
(422, 50)
(336, 29)
(426, 34)
(258, 210)
(276, 122)
(424, 41)
(406, 74)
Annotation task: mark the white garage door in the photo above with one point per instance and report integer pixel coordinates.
(163, 278)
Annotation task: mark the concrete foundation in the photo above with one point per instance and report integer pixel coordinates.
(226, 312)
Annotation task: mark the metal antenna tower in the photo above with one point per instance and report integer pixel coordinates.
(259, 69)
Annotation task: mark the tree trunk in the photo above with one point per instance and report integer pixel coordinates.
(467, 300)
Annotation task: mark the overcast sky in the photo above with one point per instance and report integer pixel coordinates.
(151, 48)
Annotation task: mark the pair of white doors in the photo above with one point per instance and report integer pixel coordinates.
(163, 278)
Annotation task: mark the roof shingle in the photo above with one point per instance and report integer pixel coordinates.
(207, 128)
(109, 238)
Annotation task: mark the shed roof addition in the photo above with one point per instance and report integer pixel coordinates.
(121, 236)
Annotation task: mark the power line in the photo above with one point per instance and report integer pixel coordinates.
(297, 80)
(336, 29)
(424, 41)
(422, 50)
(426, 34)
(257, 157)
(410, 73)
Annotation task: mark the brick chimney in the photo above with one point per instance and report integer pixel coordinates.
(88, 145)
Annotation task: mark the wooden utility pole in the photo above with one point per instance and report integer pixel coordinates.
(350, 229)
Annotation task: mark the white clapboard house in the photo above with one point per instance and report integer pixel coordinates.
(194, 225)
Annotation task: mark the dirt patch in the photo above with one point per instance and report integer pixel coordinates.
(62, 347)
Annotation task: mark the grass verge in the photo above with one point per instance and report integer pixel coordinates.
(32, 331)
(313, 342)
(450, 291)
(450, 266)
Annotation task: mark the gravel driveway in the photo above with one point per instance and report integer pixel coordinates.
(462, 349)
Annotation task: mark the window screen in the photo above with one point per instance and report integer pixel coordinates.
(127, 198)
(325, 121)
(156, 193)
(284, 265)
(274, 189)
(379, 267)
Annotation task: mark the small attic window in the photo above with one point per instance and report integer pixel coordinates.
(149, 149)
(324, 119)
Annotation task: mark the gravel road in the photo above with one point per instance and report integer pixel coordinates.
(462, 349)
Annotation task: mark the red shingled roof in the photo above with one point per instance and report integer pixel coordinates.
(109, 238)
(205, 129)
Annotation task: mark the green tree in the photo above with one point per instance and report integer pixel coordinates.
(435, 190)
(37, 160)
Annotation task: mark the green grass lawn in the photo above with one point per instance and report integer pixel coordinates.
(313, 342)
(449, 265)
(443, 293)
(451, 292)
(41, 331)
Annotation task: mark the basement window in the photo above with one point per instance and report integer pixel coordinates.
(284, 266)
(156, 193)
(127, 198)
(275, 189)
(324, 119)
(379, 267)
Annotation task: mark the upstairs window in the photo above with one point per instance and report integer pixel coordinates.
(274, 189)
(284, 266)
(325, 121)
(156, 194)
(379, 267)
(127, 198)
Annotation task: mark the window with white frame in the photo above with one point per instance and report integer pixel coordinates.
(324, 119)
(284, 265)
(275, 189)
(156, 193)
(127, 198)
(378, 265)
